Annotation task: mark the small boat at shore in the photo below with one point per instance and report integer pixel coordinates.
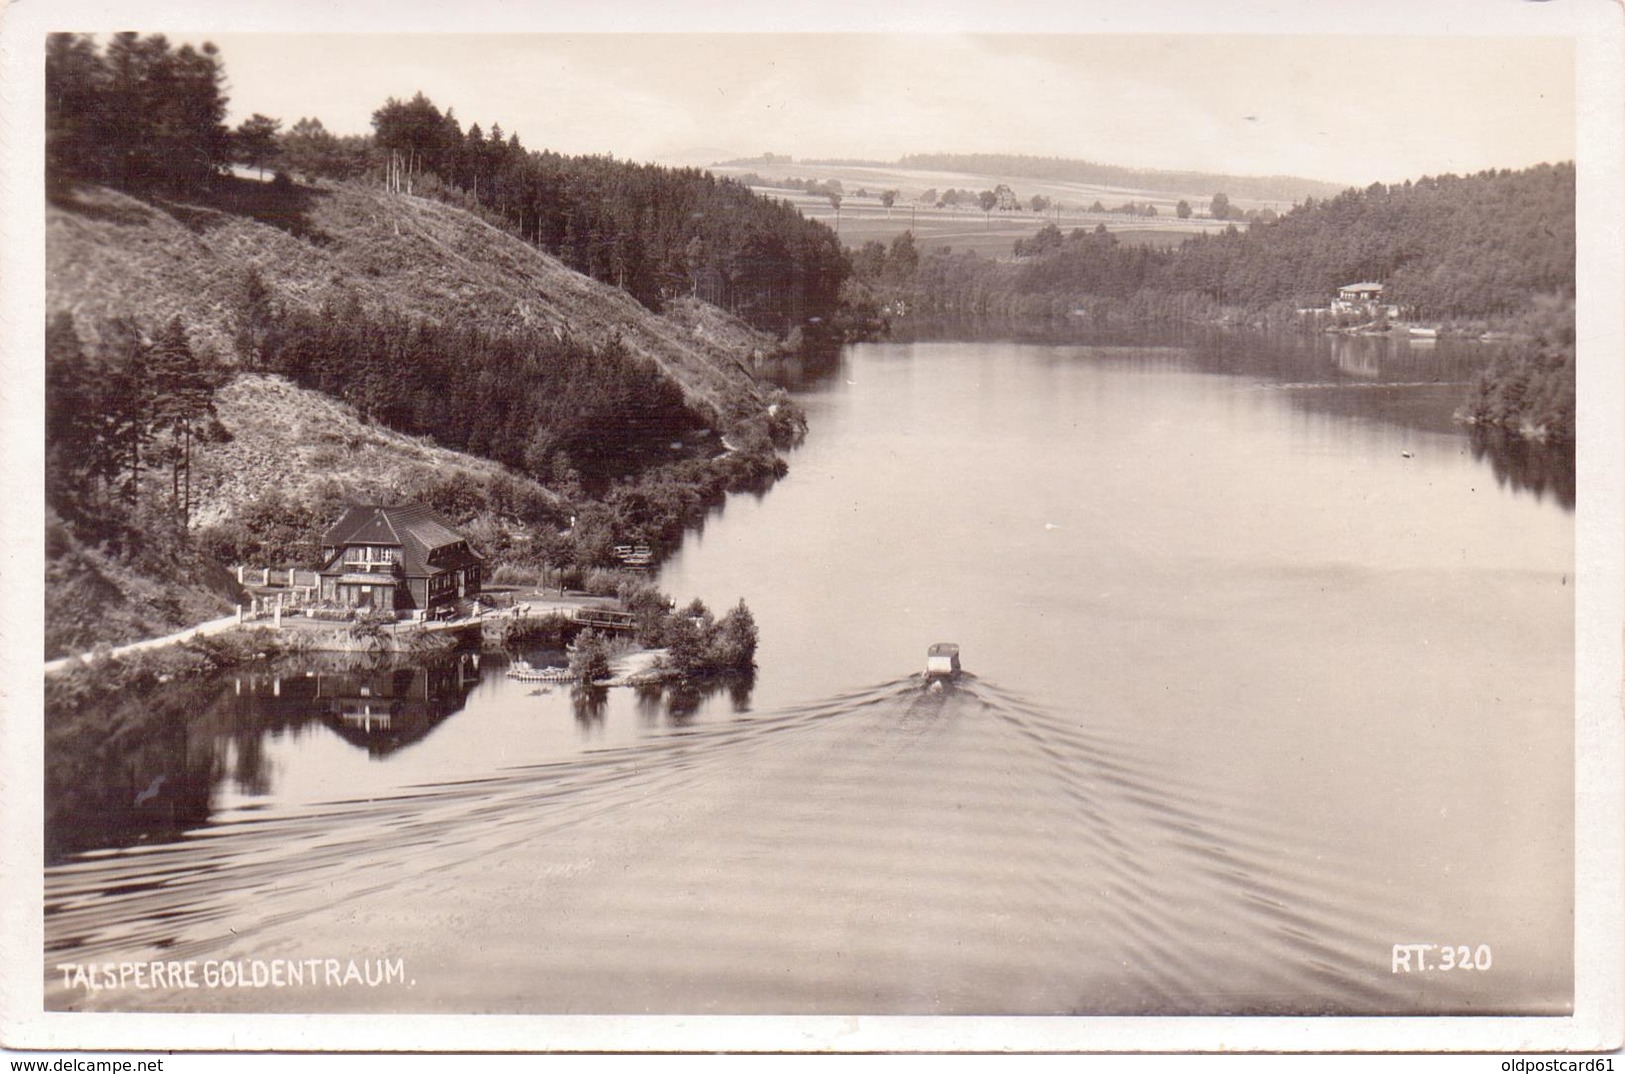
(524, 672)
(942, 662)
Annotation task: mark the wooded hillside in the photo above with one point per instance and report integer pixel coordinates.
(169, 301)
(1496, 249)
(143, 116)
(1476, 247)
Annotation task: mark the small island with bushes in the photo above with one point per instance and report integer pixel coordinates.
(653, 639)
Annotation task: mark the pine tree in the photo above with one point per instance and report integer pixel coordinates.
(182, 390)
(256, 141)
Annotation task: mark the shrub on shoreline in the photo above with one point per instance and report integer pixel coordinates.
(104, 673)
(551, 631)
(1528, 393)
(589, 657)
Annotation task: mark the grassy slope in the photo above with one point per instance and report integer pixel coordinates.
(290, 439)
(91, 597)
(108, 255)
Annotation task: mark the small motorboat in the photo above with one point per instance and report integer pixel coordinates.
(942, 662)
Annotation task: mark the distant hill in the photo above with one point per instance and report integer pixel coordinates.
(1256, 187)
(693, 156)
(1271, 188)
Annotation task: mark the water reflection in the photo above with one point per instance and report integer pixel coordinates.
(148, 767)
(384, 710)
(657, 704)
(800, 371)
(676, 703)
(1396, 380)
(662, 705)
(1324, 360)
(1060, 332)
(589, 703)
(137, 767)
(1543, 469)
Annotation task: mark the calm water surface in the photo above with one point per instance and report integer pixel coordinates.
(1270, 669)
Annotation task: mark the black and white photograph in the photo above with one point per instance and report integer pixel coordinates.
(933, 529)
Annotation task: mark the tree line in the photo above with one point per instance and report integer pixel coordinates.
(1494, 248)
(1528, 390)
(697, 642)
(598, 424)
(558, 409)
(144, 116)
(656, 232)
(139, 114)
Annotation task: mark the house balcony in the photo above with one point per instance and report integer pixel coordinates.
(359, 565)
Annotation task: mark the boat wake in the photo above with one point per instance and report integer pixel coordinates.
(910, 848)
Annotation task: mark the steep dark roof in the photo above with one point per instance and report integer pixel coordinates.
(417, 530)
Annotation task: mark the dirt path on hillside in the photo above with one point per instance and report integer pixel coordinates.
(536, 607)
(213, 626)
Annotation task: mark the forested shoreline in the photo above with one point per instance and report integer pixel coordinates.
(1488, 251)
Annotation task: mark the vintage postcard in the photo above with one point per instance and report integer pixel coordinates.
(1048, 530)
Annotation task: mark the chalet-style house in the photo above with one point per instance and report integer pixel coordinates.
(1364, 299)
(1357, 298)
(401, 559)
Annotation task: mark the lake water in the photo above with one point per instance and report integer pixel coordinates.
(1269, 670)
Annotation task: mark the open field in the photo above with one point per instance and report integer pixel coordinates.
(966, 228)
(863, 217)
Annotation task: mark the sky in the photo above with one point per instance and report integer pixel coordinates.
(1344, 108)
